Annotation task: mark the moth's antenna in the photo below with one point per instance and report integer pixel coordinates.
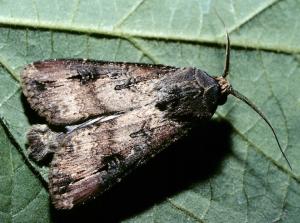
(226, 89)
(227, 57)
(243, 98)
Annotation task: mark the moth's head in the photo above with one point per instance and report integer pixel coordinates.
(224, 89)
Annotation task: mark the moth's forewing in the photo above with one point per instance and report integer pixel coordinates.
(93, 158)
(69, 91)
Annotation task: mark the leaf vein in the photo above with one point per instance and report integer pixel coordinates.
(75, 11)
(129, 13)
(253, 15)
(9, 97)
(184, 211)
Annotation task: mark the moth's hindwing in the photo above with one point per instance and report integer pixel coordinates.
(93, 158)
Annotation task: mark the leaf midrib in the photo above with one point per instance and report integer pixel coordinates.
(116, 31)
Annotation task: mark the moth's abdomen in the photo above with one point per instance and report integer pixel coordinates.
(188, 95)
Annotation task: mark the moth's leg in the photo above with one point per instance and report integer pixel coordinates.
(42, 142)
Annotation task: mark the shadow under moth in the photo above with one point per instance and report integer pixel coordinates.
(115, 116)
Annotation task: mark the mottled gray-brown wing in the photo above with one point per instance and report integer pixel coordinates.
(93, 158)
(69, 91)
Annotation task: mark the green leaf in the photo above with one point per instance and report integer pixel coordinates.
(23, 199)
(236, 174)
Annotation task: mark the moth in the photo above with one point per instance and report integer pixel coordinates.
(107, 118)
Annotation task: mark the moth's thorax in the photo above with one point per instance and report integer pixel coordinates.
(189, 93)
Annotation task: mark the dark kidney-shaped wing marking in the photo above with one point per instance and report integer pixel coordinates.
(69, 91)
(93, 158)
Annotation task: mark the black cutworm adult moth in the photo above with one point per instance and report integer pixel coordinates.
(117, 116)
